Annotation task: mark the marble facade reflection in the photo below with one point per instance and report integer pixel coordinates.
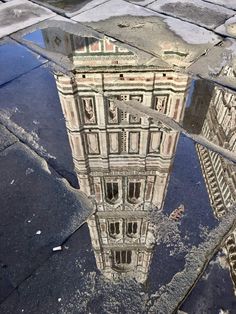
(122, 161)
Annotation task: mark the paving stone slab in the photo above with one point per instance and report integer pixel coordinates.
(18, 14)
(70, 283)
(226, 3)
(218, 64)
(194, 11)
(228, 28)
(38, 212)
(130, 23)
(70, 7)
(16, 60)
(214, 292)
(37, 117)
(43, 39)
(112, 9)
(6, 139)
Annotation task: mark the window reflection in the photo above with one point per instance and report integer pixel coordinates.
(112, 192)
(114, 228)
(134, 192)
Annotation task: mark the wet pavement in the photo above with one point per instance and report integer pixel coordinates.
(214, 292)
(117, 157)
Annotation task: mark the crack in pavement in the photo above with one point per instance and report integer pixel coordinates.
(10, 125)
(22, 74)
(50, 253)
(64, 67)
(16, 287)
(8, 146)
(219, 5)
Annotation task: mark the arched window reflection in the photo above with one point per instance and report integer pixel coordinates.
(134, 192)
(122, 259)
(132, 229)
(114, 229)
(112, 192)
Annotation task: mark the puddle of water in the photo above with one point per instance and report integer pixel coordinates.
(129, 165)
(10, 54)
(157, 194)
(36, 37)
(82, 51)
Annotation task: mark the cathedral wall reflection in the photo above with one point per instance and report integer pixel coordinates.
(219, 126)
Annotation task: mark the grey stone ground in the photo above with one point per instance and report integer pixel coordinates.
(39, 210)
(31, 164)
(214, 291)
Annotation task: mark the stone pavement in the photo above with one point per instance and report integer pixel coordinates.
(212, 25)
(40, 205)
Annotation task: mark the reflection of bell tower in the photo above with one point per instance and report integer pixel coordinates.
(123, 161)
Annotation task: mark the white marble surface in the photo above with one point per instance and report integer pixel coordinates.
(90, 5)
(18, 14)
(110, 9)
(231, 4)
(228, 28)
(132, 24)
(194, 11)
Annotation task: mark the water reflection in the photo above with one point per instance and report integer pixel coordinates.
(210, 109)
(212, 113)
(82, 51)
(220, 181)
(124, 162)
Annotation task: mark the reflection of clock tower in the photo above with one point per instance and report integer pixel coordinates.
(122, 160)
